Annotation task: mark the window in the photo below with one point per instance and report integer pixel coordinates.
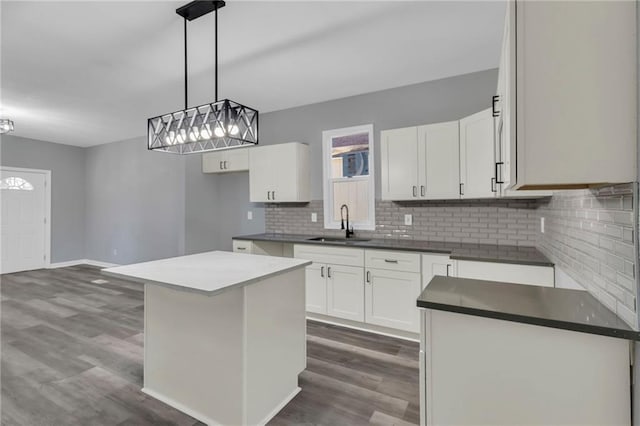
(348, 176)
(15, 183)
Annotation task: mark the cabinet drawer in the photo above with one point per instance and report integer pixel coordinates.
(242, 246)
(507, 272)
(392, 260)
(334, 255)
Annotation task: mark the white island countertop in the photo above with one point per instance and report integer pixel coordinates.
(210, 273)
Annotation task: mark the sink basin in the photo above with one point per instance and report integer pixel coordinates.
(337, 240)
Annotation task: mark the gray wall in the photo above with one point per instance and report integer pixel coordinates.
(134, 203)
(216, 206)
(67, 188)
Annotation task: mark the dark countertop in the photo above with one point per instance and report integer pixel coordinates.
(567, 309)
(459, 251)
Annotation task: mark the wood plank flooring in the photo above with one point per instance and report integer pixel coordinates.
(71, 354)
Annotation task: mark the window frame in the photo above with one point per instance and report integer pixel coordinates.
(327, 180)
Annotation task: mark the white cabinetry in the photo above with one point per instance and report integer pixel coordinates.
(436, 264)
(335, 281)
(421, 162)
(477, 161)
(230, 160)
(392, 286)
(506, 272)
(279, 173)
(568, 95)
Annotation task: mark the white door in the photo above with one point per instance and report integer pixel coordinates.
(390, 299)
(213, 162)
(236, 159)
(345, 292)
(261, 174)
(284, 161)
(477, 174)
(316, 288)
(439, 149)
(399, 159)
(436, 264)
(23, 222)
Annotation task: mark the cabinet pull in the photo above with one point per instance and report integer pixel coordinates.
(493, 185)
(221, 166)
(268, 195)
(499, 169)
(368, 276)
(241, 248)
(448, 266)
(225, 165)
(422, 191)
(415, 191)
(273, 195)
(494, 101)
(462, 189)
(391, 260)
(328, 271)
(322, 271)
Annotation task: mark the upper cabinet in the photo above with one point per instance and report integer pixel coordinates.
(477, 160)
(567, 89)
(420, 163)
(279, 173)
(230, 160)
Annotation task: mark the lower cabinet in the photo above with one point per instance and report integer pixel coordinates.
(335, 290)
(390, 299)
(507, 272)
(437, 264)
(316, 288)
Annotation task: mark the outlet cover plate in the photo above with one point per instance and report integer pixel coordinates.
(408, 219)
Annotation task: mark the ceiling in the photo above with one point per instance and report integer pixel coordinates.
(87, 73)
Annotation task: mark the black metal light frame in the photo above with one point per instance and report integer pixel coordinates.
(223, 124)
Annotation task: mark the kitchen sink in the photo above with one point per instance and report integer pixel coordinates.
(338, 240)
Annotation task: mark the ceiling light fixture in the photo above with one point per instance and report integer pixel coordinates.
(222, 124)
(6, 125)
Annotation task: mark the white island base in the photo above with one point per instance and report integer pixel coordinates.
(230, 357)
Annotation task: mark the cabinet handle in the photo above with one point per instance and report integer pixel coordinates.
(328, 271)
(241, 248)
(422, 191)
(268, 195)
(273, 195)
(391, 261)
(493, 185)
(415, 191)
(494, 101)
(221, 166)
(368, 276)
(448, 266)
(322, 271)
(225, 165)
(462, 189)
(499, 169)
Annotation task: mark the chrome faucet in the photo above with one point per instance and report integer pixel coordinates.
(348, 232)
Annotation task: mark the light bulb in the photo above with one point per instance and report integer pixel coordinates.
(205, 132)
(170, 139)
(182, 136)
(233, 129)
(194, 134)
(219, 131)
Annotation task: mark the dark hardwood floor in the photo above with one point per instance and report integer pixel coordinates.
(72, 355)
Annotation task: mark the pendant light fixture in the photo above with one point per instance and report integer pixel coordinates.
(6, 125)
(223, 124)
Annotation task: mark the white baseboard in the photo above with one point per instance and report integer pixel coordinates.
(370, 328)
(181, 407)
(81, 262)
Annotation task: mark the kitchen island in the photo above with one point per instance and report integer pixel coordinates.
(224, 333)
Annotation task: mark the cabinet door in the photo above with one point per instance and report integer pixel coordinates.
(390, 299)
(399, 160)
(236, 160)
(345, 292)
(436, 264)
(477, 156)
(284, 161)
(316, 288)
(261, 174)
(213, 162)
(439, 155)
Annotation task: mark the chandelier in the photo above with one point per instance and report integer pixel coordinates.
(223, 124)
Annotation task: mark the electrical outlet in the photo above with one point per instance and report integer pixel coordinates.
(314, 217)
(249, 215)
(408, 219)
(542, 225)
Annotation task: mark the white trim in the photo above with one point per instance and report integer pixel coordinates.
(82, 262)
(47, 205)
(181, 407)
(327, 189)
(369, 328)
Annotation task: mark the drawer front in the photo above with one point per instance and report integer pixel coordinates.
(392, 260)
(506, 272)
(333, 255)
(242, 246)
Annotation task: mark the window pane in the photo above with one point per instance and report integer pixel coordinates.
(350, 155)
(355, 194)
(15, 183)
